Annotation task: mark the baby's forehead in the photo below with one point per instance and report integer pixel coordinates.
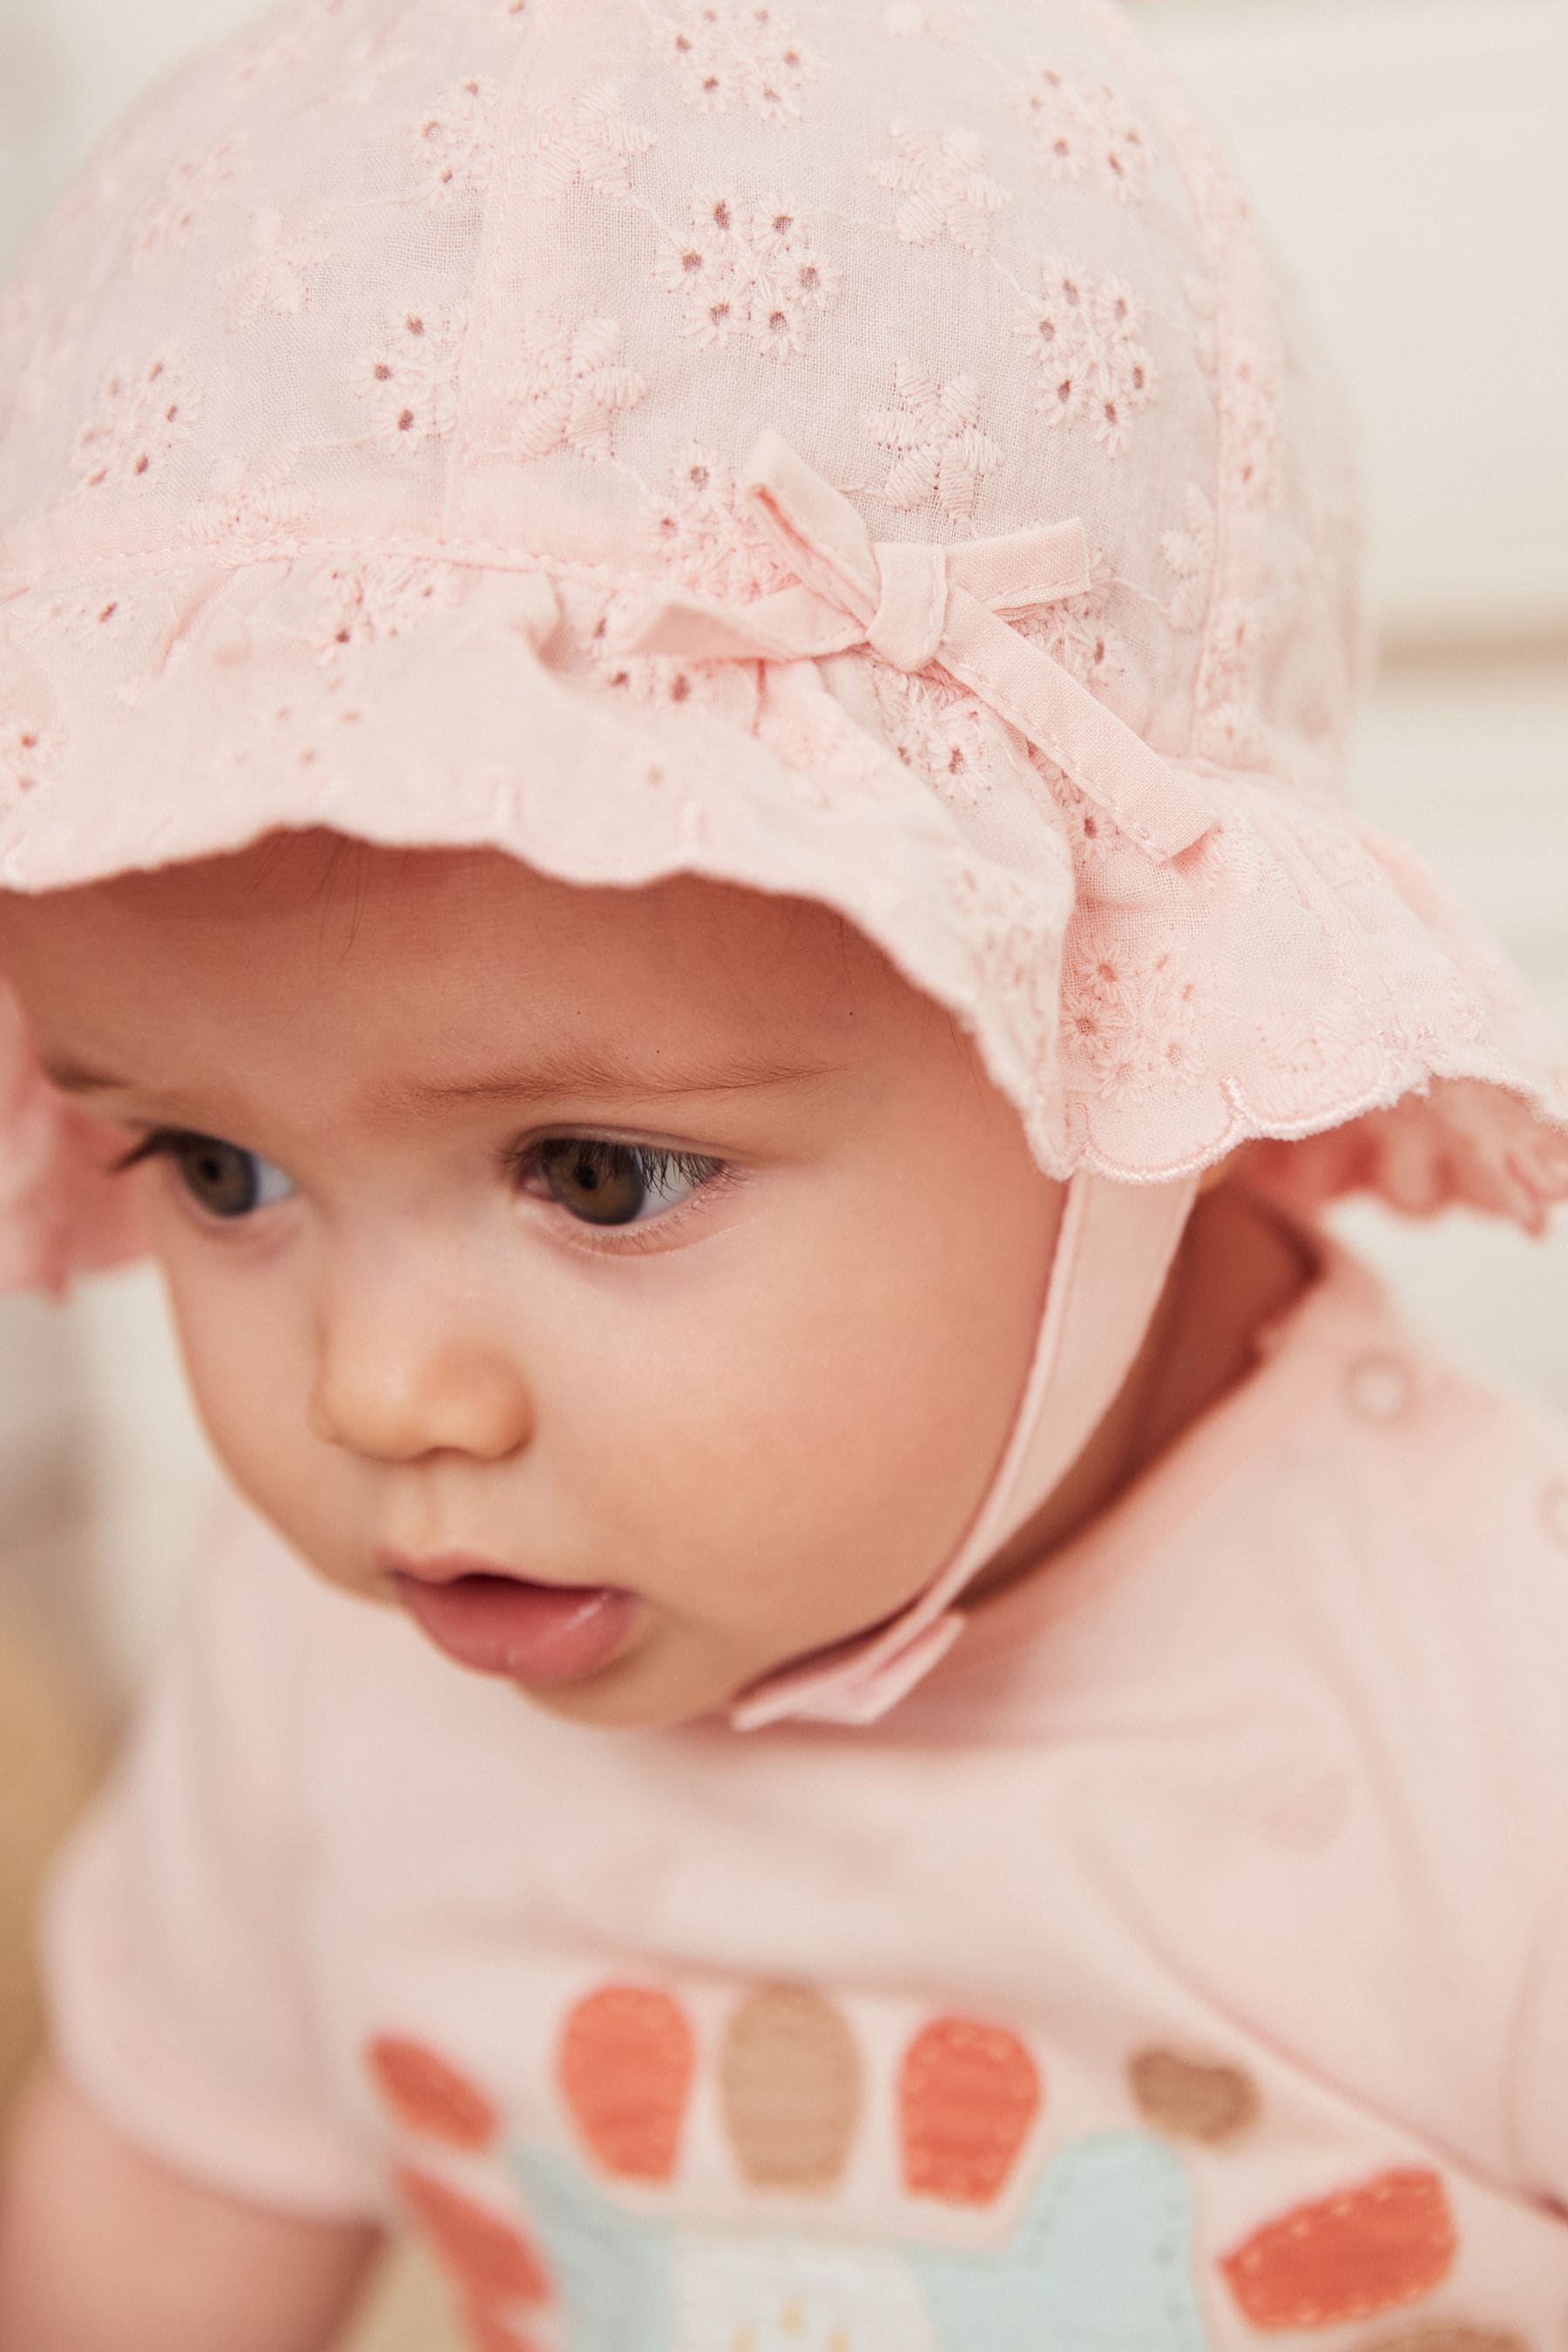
(468, 970)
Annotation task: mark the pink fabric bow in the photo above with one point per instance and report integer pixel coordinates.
(929, 607)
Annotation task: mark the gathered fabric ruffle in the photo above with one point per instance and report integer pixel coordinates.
(1290, 980)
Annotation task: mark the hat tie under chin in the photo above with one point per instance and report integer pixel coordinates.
(924, 606)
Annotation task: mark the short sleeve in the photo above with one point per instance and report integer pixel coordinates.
(176, 1939)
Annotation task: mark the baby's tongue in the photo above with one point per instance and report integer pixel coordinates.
(547, 1634)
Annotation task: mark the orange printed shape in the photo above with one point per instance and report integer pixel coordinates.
(489, 2259)
(968, 2093)
(428, 2095)
(1350, 2256)
(626, 2062)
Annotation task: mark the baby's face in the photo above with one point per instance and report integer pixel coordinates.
(662, 1248)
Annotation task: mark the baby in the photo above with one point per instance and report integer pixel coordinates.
(673, 763)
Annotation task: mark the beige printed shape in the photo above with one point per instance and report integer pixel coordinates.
(1191, 2099)
(790, 2081)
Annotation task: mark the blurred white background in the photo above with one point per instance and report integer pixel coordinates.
(1409, 157)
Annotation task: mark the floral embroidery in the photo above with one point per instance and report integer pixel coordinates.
(76, 613)
(662, 684)
(455, 142)
(568, 392)
(1091, 362)
(709, 539)
(593, 618)
(936, 730)
(747, 268)
(1235, 648)
(1128, 1023)
(1092, 836)
(1248, 394)
(1203, 300)
(276, 275)
(1231, 737)
(377, 596)
(144, 410)
(830, 758)
(248, 503)
(945, 192)
(410, 382)
(653, 681)
(1189, 550)
(733, 51)
(284, 45)
(31, 739)
(941, 455)
(1085, 126)
(1228, 729)
(372, 60)
(586, 143)
(1249, 408)
(1076, 633)
(176, 213)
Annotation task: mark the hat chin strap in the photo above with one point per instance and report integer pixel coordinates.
(1114, 1252)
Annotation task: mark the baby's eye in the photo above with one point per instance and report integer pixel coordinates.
(613, 1183)
(219, 1176)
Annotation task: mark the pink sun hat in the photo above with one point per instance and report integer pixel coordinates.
(858, 452)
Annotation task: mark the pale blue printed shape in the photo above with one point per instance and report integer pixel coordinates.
(611, 2269)
(1103, 2261)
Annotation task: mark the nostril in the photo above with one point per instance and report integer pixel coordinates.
(470, 1402)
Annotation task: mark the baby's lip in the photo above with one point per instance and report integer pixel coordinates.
(447, 1566)
(497, 1621)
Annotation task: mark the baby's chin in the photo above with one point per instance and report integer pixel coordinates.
(676, 1674)
(655, 1688)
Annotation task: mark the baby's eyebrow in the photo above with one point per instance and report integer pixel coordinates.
(566, 1074)
(588, 1073)
(76, 1078)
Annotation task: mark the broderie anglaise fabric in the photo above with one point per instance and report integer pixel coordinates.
(339, 455)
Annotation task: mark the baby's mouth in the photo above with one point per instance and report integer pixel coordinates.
(544, 1634)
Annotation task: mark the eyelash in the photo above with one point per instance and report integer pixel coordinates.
(158, 1145)
(706, 1175)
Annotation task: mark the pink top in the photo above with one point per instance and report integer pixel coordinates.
(1173, 1970)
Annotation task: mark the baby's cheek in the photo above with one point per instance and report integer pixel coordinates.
(249, 1374)
(827, 1445)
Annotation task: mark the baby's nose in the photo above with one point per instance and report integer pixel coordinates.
(403, 1371)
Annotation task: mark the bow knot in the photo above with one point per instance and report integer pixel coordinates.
(910, 619)
(921, 607)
